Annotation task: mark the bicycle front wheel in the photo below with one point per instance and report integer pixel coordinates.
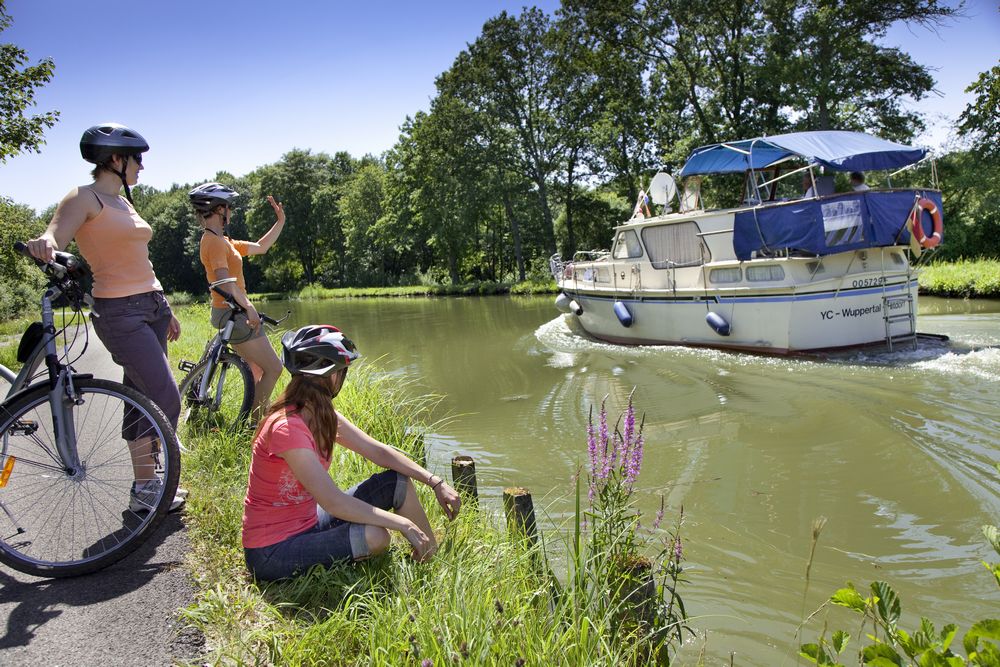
(219, 394)
(62, 518)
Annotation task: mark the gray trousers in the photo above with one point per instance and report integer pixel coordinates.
(134, 329)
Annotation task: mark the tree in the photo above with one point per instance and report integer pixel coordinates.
(749, 67)
(19, 132)
(294, 181)
(980, 121)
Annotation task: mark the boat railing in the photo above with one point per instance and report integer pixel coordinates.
(563, 269)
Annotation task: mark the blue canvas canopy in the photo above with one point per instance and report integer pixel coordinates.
(848, 221)
(834, 149)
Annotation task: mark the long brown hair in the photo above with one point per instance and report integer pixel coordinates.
(310, 394)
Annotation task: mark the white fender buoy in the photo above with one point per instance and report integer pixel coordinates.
(575, 308)
(624, 314)
(562, 303)
(718, 323)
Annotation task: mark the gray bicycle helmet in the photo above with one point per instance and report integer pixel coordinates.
(102, 141)
(206, 197)
(317, 349)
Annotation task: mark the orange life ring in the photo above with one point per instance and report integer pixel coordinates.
(919, 236)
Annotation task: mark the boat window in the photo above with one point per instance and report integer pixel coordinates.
(675, 245)
(842, 222)
(729, 275)
(627, 246)
(768, 273)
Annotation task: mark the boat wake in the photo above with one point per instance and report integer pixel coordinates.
(566, 341)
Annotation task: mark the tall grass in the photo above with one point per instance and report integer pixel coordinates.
(485, 599)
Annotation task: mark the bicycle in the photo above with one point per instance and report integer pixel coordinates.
(75, 496)
(218, 389)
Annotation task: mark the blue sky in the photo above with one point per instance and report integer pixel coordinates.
(233, 85)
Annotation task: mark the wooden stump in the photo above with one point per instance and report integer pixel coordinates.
(520, 513)
(463, 474)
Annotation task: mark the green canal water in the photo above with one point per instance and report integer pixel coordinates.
(896, 451)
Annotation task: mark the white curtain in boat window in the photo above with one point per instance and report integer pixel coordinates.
(674, 245)
(842, 222)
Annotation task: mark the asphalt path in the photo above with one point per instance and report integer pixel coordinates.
(124, 615)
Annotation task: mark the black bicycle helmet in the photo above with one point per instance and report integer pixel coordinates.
(206, 197)
(317, 349)
(102, 141)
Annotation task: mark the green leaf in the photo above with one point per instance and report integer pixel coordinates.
(813, 652)
(888, 603)
(840, 640)
(850, 598)
(881, 655)
(992, 534)
(987, 629)
(948, 633)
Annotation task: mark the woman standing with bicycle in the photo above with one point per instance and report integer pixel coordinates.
(130, 314)
(294, 515)
(222, 258)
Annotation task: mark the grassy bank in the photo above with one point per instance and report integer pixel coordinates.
(486, 598)
(964, 278)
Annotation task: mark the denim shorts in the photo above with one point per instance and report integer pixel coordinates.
(241, 327)
(331, 540)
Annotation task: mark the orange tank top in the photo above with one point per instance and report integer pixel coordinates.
(116, 245)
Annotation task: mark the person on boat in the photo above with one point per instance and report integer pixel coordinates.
(222, 258)
(807, 185)
(130, 314)
(858, 182)
(294, 515)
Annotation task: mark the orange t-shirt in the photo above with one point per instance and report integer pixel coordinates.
(277, 506)
(221, 252)
(115, 243)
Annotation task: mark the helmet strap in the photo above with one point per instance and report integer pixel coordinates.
(121, 175)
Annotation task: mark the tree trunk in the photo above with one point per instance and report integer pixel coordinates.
(515, 232)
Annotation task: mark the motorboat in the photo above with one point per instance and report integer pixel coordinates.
(778, 270)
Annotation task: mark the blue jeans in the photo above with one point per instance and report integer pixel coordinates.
(331, 539)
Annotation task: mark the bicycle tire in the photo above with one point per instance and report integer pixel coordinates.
(57, 524)
(228, 402)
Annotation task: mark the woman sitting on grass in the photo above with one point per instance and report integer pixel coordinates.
(294, 514)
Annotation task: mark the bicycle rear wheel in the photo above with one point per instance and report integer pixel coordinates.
(227, 396)
(61, 522)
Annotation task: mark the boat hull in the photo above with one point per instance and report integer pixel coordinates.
(772, 323)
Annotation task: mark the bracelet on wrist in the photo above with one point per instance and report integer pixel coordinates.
(439, 482)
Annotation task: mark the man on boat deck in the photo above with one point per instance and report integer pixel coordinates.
(858, 182)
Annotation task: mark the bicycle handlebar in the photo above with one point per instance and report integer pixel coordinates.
(63, 264)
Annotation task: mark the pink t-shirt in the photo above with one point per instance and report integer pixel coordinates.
(277, 506)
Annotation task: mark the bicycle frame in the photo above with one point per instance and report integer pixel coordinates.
(215, 349)
(60, 381)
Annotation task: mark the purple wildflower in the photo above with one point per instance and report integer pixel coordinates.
(426, 662)
(678, 550)
(603, 440)
(659, 516)
(592, 446)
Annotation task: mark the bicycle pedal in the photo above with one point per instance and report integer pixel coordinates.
(186, 366)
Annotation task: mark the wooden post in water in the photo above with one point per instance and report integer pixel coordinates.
(520, 513)
(463, 474)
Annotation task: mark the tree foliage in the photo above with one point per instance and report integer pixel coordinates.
(20, 131)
